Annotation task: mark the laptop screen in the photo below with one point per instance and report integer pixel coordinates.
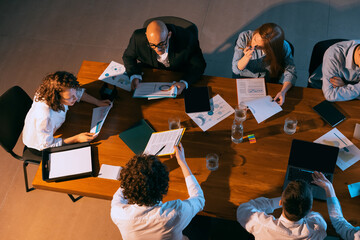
(313, 156)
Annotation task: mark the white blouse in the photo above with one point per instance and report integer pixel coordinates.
(41, 123)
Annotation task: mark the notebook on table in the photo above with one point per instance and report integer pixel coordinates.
(329, 113)
(307, 157)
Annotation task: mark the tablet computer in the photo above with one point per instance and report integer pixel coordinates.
(197, 99)
(329, 113)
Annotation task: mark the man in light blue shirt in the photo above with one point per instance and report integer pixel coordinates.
(341, 72)
(342, 227)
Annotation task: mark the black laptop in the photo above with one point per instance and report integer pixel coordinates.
(307, 157)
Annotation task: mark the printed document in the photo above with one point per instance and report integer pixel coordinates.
(71, 162)
(153, 90)
(162, 143)
(250, 89)
(115, 75)
(348, 154)
(98, 118)
(263, 108)
(220, 110)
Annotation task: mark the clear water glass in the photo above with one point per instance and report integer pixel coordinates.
(290, 125)
(237, 131)
(212, 161)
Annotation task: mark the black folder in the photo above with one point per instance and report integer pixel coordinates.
(197, 99)
(329, 113)
(67, 162)
(137, 137)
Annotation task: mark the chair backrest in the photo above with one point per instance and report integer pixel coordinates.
(14, 105)
(319, 51)
(180, 22)
(292, 47)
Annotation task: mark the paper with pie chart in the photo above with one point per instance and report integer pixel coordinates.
(348, 154)
(220, 110)
(115, 74)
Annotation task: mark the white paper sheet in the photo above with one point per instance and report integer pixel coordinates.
(348, 154)
(115, 75)
(155, 90)
(250, 89)
(109, 172)
(98, 118)
(70, 162)
(220, 110)
(163, 142)
(263, 108)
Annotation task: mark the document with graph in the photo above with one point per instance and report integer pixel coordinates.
(250, 89)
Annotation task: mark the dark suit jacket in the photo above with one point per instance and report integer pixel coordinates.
(184, 54)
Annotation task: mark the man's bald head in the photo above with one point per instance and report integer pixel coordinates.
(156, 30)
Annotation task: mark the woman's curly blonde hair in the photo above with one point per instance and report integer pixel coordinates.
(51, 87)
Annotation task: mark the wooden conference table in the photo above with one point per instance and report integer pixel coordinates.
(246, 170)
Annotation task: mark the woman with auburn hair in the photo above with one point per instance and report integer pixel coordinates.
(52, 99)
(265, 53)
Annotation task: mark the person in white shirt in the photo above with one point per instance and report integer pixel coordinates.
(137, 208)
(297, 221)
(342, 227)
(52, 99)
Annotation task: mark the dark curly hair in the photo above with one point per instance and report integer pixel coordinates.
(144, 180)
(52, 85)
(297, 200)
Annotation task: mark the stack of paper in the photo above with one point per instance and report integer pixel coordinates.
(115, 75)
(250, 89)
(220, 110)
(109, 172)
(162, 143)
(155, 90)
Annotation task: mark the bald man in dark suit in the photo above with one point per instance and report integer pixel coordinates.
(164, 46)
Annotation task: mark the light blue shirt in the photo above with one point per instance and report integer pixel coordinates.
(256, 66)
(338, 62)
(342, 227)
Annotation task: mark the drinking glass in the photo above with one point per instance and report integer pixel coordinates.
(240, 112)
(237, 131)
(174, 123)
(212, 161)
(290, 125)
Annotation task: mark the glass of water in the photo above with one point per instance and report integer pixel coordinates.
(290, 125)
(174, 123)
(240, 112)
(212, 161)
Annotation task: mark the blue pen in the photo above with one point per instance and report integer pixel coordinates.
(345, 148)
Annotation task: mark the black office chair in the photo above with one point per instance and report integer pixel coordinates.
(291, 47)
(318, 54)
(14, 105)
(180, 22)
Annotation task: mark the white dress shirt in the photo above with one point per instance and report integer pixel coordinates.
(41, 123)
(253, 216)
(342, 227)
(162, 221)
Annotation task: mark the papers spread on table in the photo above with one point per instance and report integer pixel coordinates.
(250, 89)
(98, 118)
(109, 172)
(115, 75)
(156, 90)
(220, 110)
(348, 154)
(70, 162)
(263, 108)
(354, 189)
(162, 143)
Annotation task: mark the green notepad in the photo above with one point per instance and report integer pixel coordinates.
(137, 137)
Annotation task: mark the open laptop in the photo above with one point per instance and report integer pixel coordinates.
(307, 157)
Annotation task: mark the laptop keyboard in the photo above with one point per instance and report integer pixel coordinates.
(296, 173)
